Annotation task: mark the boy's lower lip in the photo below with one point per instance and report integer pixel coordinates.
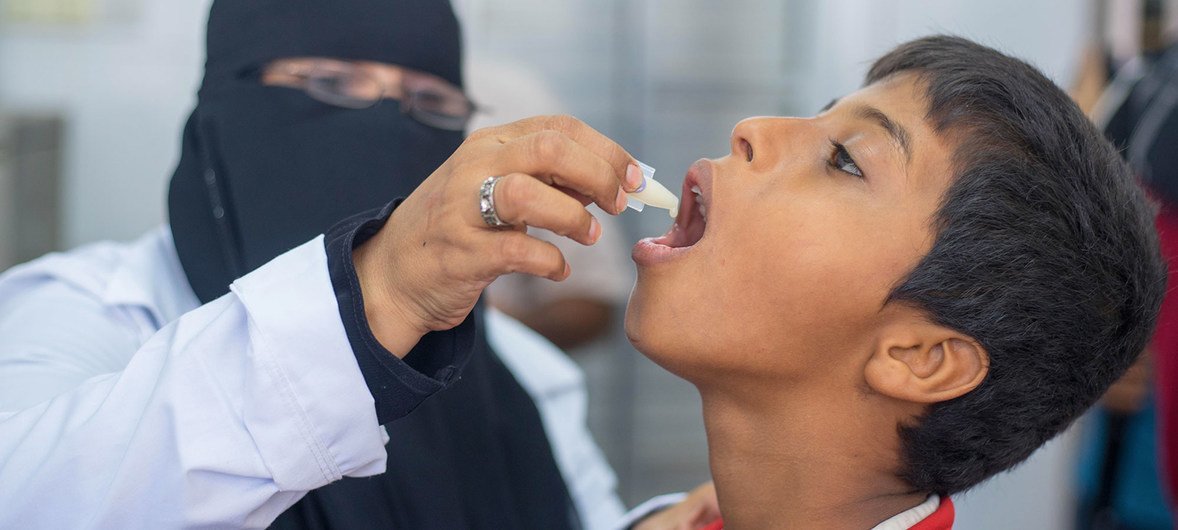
(650, 251)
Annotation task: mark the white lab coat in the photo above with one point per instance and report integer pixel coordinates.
(125, 404)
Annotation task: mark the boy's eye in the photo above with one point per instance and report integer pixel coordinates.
(841, 160)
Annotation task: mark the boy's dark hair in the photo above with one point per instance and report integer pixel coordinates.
(1045, 253)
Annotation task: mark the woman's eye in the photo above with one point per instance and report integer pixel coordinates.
(841, 160)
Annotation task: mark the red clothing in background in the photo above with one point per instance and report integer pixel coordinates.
(1165, 351)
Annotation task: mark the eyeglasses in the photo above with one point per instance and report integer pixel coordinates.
(426, 98)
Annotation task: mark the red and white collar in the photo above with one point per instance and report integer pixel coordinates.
(935, 513)
(932, 514)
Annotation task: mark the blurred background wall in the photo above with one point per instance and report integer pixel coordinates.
(668, 79)
(122, 75)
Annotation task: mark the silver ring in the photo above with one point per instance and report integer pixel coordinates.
(487, 203)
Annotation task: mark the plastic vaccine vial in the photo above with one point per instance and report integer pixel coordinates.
(653, 193)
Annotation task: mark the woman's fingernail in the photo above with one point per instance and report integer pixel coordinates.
(620, 203)
(594, 229)
(634, 179)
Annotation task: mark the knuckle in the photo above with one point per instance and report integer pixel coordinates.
(547, 145)
(563, 122)
(529, 123)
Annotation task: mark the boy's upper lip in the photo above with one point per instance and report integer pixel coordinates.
(699, 174)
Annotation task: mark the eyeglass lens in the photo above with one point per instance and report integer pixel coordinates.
(426, 98)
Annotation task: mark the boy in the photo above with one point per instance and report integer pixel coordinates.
(890, 302)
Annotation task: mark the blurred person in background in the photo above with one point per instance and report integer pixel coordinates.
(167, 383)
(1126, 449)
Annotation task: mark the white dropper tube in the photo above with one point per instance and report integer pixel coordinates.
(653, 193)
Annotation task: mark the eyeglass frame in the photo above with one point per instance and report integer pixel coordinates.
(408, 88)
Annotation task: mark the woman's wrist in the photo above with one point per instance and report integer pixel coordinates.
(394, 327)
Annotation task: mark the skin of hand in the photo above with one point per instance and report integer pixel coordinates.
(696, 511)
(426, 268)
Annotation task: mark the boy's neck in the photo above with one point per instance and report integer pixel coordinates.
(802, 461)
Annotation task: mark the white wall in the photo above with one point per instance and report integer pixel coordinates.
(125, 89)
(844, 36)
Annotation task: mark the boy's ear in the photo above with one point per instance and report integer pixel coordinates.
(921, 362)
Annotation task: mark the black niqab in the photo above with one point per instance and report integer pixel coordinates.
(264, 169)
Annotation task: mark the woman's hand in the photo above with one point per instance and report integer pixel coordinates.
(698, 510)
(427, 266)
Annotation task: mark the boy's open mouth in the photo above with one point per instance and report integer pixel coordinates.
(690, 225)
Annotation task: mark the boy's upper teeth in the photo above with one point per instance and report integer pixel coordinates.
(699, 201)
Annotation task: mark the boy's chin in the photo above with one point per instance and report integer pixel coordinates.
(642, 327)
(636, 324)
(657, 337)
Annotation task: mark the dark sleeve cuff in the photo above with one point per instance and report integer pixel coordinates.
(397, 385)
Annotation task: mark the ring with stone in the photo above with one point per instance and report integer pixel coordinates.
(487, 203)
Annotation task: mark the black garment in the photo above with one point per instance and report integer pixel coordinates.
(264, 169)
(419, 34)
(475, 455)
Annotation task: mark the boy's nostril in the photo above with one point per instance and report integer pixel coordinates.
(748, 149)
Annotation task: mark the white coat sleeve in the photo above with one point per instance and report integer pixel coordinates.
(222, 419)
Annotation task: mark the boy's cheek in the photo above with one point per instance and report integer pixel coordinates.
(805, 266)
(796, 284)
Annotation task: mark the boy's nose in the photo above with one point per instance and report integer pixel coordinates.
(761, 141)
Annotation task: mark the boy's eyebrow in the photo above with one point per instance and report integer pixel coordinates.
(828, 106)
(898, 133)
